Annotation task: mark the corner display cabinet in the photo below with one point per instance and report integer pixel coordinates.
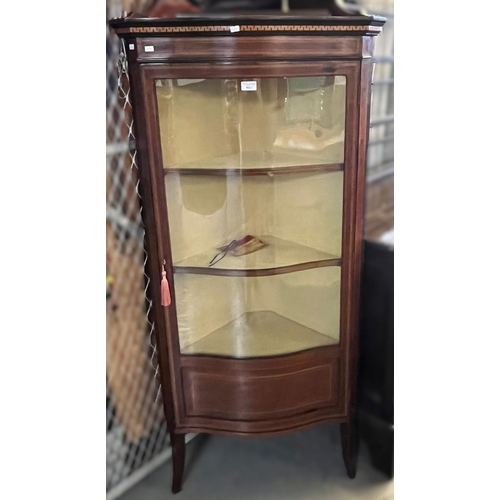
(251, 135)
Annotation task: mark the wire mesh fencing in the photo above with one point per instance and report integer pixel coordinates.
(135, 429)
(379, 206)
(380, 159)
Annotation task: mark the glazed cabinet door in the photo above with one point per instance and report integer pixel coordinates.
(254, 232)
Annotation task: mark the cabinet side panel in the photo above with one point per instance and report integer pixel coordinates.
(151, 240)
(348, 332)
(366, 67)
(168, 335)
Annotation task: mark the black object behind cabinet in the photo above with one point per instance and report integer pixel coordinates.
(376, 360)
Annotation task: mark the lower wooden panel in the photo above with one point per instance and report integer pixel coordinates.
(264, 389)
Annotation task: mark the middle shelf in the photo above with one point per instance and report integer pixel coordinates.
(277, 257)
(256, 163)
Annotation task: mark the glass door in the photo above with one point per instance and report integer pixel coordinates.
(254, 186)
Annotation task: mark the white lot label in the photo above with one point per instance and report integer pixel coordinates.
(248, 86)
(234, 29)
(131, 46)
(149, 48)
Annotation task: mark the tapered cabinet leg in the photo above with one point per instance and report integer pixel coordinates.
(178, 443)
(350, 445)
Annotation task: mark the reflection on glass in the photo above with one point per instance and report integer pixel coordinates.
(259, 316)
(279, 122)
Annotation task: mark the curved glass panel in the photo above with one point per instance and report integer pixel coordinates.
(254, 183)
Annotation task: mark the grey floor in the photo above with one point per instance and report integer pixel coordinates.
(303, 466)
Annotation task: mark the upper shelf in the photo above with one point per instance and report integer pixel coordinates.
(278, 257)
(256, 163)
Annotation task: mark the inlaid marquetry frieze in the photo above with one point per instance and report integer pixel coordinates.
(250, 28)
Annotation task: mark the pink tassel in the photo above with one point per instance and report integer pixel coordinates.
(166, 300)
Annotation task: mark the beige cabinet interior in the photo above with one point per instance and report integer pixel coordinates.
(298, 216)
(213, 123)
(258, 316)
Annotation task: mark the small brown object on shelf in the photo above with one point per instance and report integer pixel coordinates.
(246, 245)
(237, 248)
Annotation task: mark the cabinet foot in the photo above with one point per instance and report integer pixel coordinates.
(178, 443)
(350, 443)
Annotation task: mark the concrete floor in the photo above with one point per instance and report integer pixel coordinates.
(303, 466)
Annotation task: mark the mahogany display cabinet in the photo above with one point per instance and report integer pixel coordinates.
(251, 137)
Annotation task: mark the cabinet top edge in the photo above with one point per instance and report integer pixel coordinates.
(248, 25)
